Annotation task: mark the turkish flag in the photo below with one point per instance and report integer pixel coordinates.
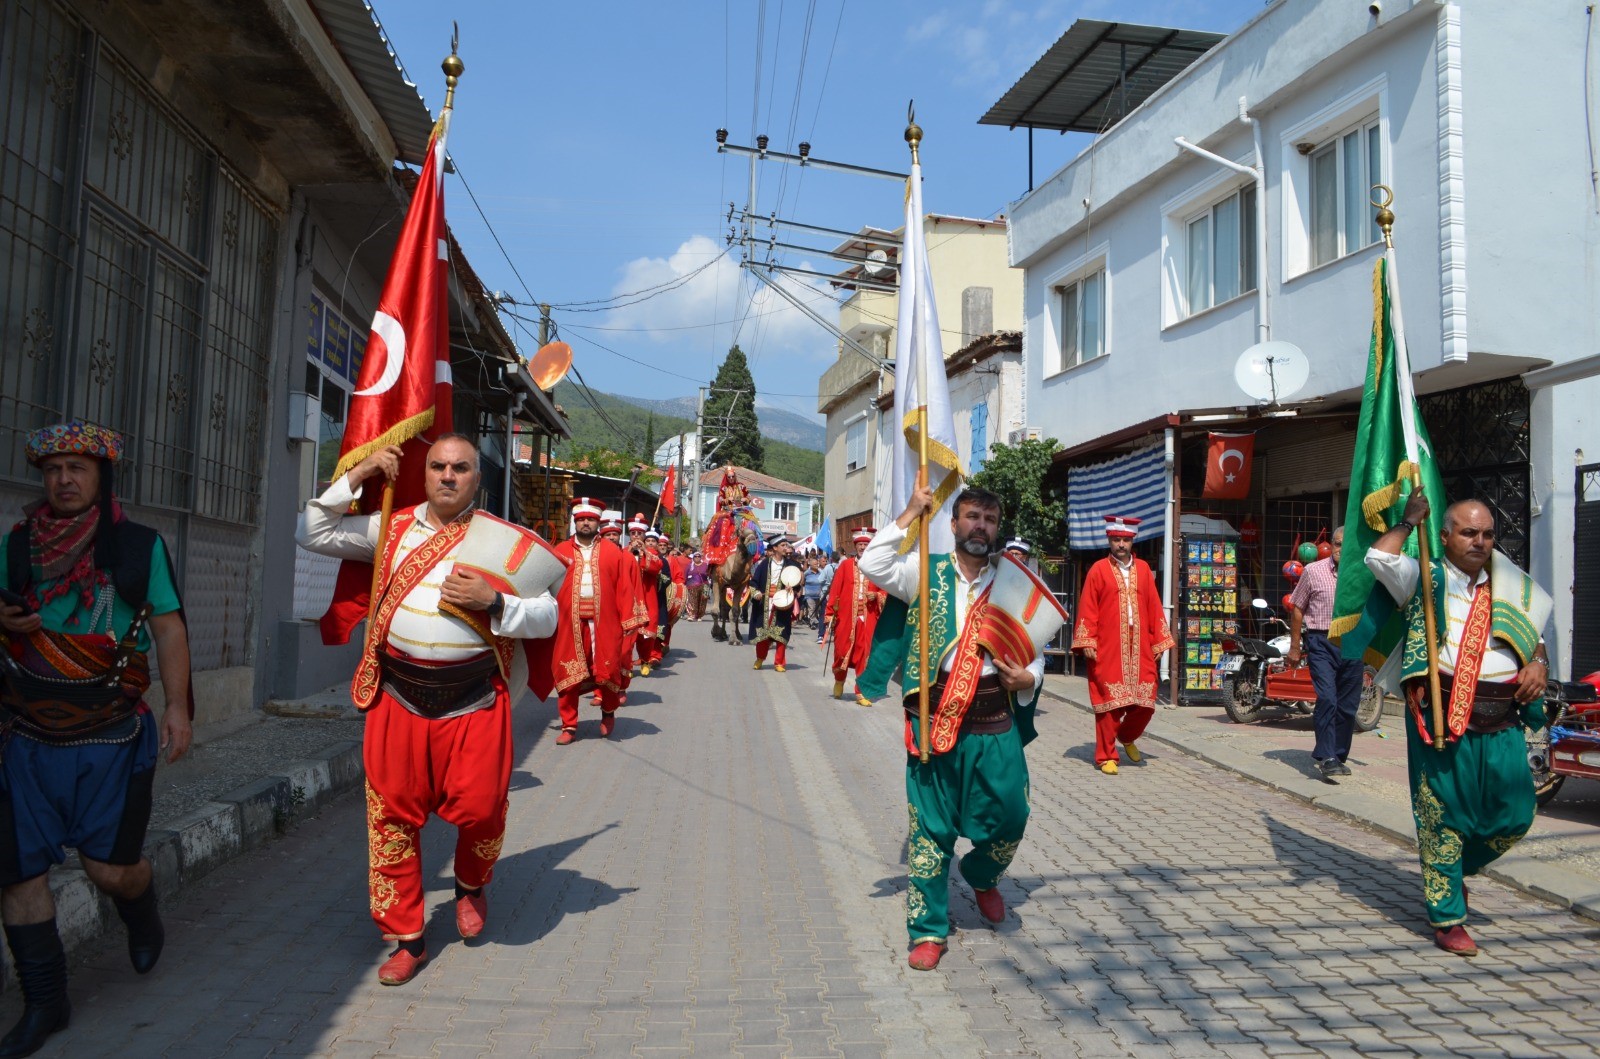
(404, 393)
(669, 499)
(1228, 459)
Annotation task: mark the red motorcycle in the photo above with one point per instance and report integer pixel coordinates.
(1570, 746)
(1257, 683)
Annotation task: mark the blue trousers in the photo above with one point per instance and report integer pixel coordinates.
(1338, 684)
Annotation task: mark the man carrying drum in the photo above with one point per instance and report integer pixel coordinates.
(774, 600)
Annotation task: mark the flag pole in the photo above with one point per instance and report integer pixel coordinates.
(914, 138)
(453, 68)
(1430, 618)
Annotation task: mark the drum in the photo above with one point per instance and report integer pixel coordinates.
(513, 559)
(1020, 615)
(791, 577)
(783, 598)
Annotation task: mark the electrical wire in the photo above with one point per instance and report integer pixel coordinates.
(644, 294)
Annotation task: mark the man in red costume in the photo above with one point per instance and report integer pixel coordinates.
(676, 563)
(854, 604)
(1122, 633)
(649, 565)
(611, 530)
(437, 691)
(596, 607)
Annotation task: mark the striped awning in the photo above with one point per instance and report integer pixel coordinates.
(1133, 485)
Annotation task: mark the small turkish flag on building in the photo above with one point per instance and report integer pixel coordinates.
(1228, 459)
(669, 499)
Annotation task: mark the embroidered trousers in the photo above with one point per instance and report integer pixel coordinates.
(1122, 725)
(978, 790)
(1472, 801)
(458, 769)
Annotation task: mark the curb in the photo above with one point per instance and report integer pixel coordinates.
(186, 848)
(1539, 878)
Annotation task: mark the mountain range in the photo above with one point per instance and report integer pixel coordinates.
(776, 421)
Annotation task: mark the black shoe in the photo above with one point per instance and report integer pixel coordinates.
(146, 936)
(1327, 769)
(42, 970)
(1339, 768)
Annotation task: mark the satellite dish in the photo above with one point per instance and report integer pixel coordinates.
(877, 264)
(1272, 371)
(549, 365)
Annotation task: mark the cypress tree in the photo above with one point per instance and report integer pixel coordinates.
(731, 414)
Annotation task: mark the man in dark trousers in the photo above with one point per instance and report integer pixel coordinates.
(1337, 680)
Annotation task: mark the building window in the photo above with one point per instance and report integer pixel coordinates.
(855, 445)
(1220, 251)
(1342, 174)
(785, 510)
(1083, 319)
(980, 436)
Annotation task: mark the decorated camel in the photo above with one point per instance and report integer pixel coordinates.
(731, 543)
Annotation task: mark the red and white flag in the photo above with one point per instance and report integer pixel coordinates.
(1228, 459)
(403, 396)
(669, 498)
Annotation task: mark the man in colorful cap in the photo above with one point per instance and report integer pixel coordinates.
(1021, 547)
(771, 610)
(649, 563)
(675, 571)
(981, 709)
(442, 665)
(1122, 634)
(854, 604)
(598, 604)
(87, 592)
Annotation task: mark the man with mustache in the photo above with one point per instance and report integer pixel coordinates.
(975, 783)
(1122, 633)
(1474, 799)
(854, 604)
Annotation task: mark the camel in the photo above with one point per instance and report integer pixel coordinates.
(733, 573)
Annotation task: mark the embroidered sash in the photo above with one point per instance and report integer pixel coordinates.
(364, 685)
(1469, 663)
(944, 724)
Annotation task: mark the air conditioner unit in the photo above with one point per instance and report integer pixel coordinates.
(1021, 434)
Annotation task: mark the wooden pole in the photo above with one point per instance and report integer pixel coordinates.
(383, 549)
(1430, 619)
(923, 744)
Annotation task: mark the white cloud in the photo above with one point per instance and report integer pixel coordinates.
(720, 293)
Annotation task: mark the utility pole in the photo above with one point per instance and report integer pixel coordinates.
(699, 455)
(677, 523)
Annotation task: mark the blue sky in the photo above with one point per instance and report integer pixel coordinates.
(586, 132)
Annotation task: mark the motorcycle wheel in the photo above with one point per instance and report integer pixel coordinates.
(1369, 711)
(1545, 781)
(1243, 698)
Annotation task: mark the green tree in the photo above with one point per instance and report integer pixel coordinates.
(1016, 474)
(731, 414)
(649, 453)
(598, 460)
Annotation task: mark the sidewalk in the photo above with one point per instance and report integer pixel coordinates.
(1559, 860)
(239, 786)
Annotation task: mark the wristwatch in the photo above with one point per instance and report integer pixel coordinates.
(498, 606)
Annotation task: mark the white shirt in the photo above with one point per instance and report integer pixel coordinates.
(1124, 573)
(1400, 574)
(900, 575)
(586, 584)
(419, 630)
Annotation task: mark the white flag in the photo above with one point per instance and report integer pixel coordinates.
(919, 378)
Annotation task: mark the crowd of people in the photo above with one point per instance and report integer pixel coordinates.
(450, 646)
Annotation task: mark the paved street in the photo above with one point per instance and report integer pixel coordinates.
(725, 877)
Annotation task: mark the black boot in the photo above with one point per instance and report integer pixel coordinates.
(42, 970)
(145, 934)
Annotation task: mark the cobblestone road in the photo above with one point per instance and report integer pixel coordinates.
(725, 877)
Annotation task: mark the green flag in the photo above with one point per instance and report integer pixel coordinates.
(1391, 443)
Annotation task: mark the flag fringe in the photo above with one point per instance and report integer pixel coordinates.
(398, 434)
(1339, 626)
(938, 453)
(1378, 315)
(1375, 503)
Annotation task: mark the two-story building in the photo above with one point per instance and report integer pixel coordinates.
(979, 301)
(1150, 268)
(782, 508)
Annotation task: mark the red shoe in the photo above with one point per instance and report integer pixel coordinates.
(401, 967)
(608, 724)
(990, 904)
(926, 955)
(471, 910)
(1456, 940)
(568, 735)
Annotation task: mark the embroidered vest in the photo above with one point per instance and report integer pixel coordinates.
(1519, 611)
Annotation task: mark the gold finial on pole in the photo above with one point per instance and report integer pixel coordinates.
(453, 67)
(913, 130)
(1385, 214)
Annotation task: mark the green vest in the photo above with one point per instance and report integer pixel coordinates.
(941, 623)
(1518, 611)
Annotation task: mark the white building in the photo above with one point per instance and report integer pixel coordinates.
(1144, 270)
(781, 507)
(979, 302)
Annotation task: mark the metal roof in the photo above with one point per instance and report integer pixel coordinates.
(1096, 74)
(355, 30)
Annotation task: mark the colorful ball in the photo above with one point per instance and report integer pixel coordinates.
(1288, 601)
(1324, 549)
(1293, 569)
(1308, 552)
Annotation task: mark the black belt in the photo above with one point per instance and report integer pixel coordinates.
(434, 691)
(1494, 703)
(989, 714)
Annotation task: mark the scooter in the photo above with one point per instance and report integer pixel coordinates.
(1570, 746)
(1258, 684)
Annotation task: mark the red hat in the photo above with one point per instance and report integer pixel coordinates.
(1122, 526)
(864, 535)
(584, 507)
(637, 522)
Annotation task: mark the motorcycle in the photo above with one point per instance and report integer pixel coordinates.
(1570, 745)
(1259, 685)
